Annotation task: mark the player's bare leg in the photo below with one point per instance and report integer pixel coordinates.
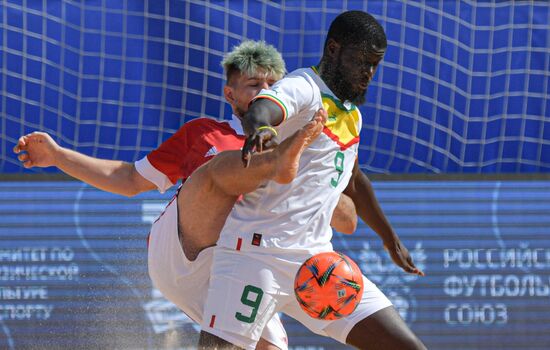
(279, 165)
(265, 345)
(384, 329)
(289, 152)
(209, 341)
(205, 200)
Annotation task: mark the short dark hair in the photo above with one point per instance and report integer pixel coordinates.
(357, 28)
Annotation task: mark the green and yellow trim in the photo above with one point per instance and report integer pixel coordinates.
(342, 125)
(336, 138)
(278, 102)
(315, 69)
(338, 103)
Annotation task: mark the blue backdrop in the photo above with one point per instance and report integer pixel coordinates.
(73, 267)
(463, 87)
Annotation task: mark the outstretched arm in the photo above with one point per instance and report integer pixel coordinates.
(38, 149)
(361, 192)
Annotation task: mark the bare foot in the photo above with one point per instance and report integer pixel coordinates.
(288, 153)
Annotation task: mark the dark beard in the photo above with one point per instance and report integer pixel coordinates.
(335, 78)
(359, 98)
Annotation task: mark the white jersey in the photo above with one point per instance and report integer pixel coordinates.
(297, 216)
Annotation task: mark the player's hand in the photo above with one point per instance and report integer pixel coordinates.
(261, 139)
(36, 149)
(401, 257)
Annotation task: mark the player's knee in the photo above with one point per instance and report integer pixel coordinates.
(209, 341)
(265, 345)
(383, 330)
(405, 339)
(411, 342)
(204, 179)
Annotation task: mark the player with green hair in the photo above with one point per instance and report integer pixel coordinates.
(182, 238)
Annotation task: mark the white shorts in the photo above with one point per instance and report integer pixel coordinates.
(185, 282)
(248, 288)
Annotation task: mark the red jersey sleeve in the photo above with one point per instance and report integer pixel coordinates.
(192, 145)
(177, 157)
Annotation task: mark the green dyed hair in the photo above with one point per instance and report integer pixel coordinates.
(251, 56)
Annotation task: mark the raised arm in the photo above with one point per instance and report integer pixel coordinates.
(38, 149)
(258, 124)
(361, 192)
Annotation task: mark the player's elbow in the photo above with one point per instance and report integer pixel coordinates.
(344, 222)
(134, 183)
(351, 226)
(344, 217)
(127, 189)
(130, 192)
(347, 226)
(133, 188)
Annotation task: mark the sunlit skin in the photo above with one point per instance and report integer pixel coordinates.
(347, 70)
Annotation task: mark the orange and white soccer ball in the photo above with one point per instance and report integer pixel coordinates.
(329, 286)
